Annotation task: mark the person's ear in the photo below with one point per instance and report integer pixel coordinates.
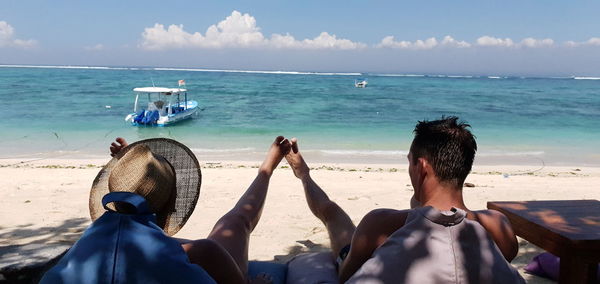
(422, 169)
(426, 165)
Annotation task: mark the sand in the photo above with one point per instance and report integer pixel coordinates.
(46, 201)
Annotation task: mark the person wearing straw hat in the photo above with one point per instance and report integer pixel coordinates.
(144, 195)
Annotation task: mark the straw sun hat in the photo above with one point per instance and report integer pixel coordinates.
(165, 172)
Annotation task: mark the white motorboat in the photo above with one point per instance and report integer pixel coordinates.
(164, 106)
(360, 83)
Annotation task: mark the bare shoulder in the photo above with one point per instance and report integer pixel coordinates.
(500, 229)
(386, 213)
(491, 219)
(386, 217)
(372, 231)
(379, 224)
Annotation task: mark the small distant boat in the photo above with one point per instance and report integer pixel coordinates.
(360, 83)
(165, 106)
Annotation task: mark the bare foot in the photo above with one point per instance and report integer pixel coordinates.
(278, 150)
(262, 278)
(294, 158)
(117, 146)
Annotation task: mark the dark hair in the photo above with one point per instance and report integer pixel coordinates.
(448, 146)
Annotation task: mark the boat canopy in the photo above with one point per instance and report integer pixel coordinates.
(164, 91)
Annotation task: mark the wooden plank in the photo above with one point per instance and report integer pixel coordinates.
(536, 234)
(555, 203)
(569, 229)
(590, 206)
(577, 224)
(550, 203)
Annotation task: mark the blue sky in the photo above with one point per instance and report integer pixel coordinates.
(451, 37)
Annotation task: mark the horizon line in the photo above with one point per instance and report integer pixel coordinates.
(281, 72)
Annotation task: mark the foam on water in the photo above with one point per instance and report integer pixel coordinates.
(236, 150)
(280, 72)
(398, 75)
(182, 69)
(363, 152)
(66, 67)
(510, 154)
(258, 72)
(586, 78)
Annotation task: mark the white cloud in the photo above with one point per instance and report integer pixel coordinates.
(238, 31)
(156, 38)
(571, 43)
(432, 42)
(532, 42)
(7, 37)
(594, 41)
(327, 41)
(507, 42)
(96, 47)
(449, 41)
(493, 41)
(284, 41)
(323, 41)
(390, 42)
(427, 44)
(241, 31)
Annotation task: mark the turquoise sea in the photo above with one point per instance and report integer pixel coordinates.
(74, 112)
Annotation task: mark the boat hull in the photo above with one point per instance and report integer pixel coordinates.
(169, 119)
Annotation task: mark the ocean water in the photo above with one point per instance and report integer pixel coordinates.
(56, 112)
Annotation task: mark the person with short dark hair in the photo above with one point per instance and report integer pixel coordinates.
(449, 147)
(439, 240)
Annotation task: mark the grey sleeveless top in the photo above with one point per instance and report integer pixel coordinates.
(437, 247)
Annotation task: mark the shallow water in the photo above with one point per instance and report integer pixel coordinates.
(58, 112)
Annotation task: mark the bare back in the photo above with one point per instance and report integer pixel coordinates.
(444, 246)
(376, 227)
(499, 228)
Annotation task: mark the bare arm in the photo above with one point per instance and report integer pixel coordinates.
(213, 258)
(372, 231)
(499, 228)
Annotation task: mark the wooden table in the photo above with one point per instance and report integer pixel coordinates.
(569, 229)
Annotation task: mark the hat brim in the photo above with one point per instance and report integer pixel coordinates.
(187, 174)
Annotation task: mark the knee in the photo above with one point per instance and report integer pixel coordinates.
(329, 211)
(236, 222)
(198, 249)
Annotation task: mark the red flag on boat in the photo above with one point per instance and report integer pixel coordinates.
(181, 82)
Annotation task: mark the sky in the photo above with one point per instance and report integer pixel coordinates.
(459, 37)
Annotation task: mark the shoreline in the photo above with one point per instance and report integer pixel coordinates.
(392, 159)
(481, 169)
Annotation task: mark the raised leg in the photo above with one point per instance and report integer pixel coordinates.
(233, 230)
(339, 225)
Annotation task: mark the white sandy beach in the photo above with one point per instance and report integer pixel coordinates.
(46, 201)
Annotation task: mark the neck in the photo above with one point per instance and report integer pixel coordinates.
(443, 197)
